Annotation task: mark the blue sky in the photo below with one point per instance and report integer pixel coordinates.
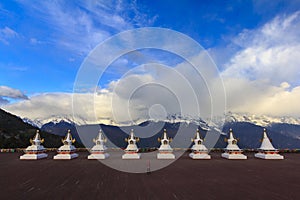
(36, 60)
(43, 43)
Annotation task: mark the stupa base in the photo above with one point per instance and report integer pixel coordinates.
(165, 156)
(99, 156)
(234, 156)
(269, 156)
(65, 156)
(33, 156)
(131, 156)
(200, 156)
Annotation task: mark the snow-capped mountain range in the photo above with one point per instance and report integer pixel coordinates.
(54, 119)
(176, 118)
(261, 120)
(284, 131)
(217, 122)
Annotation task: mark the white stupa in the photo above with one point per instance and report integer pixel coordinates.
(232, 151)
(131, 151)
(35, 151)
(165, 150)
(67, 151)
(98, 151)
(199, 151)
(266, 150)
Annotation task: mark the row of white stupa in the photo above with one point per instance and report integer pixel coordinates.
(165, 151)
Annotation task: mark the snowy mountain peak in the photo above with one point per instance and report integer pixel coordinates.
(260, 120)
(35, 123)
(54, 119)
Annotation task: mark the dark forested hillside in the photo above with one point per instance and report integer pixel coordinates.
(14, 133)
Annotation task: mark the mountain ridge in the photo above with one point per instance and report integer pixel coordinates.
(249, 134)
(284, 135)
(218, 121)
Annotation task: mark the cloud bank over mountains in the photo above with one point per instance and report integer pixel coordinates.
(262, 77)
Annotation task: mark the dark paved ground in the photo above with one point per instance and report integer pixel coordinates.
(185, 179)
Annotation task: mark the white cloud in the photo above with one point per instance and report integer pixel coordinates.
(128, 100)
(59, 105)
(271, 52)
(34, 41)
(11, 93)
(80, 26)
(258, 97)
(6, 34)
(263, 77)
(275, 64)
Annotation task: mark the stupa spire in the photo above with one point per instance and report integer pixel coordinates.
(198, 135)
(165, 134)
(37, 139)
(68, 140)
(231, 134)
(265, 133)
(131, 134)
(100, 139)
(266, 143)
